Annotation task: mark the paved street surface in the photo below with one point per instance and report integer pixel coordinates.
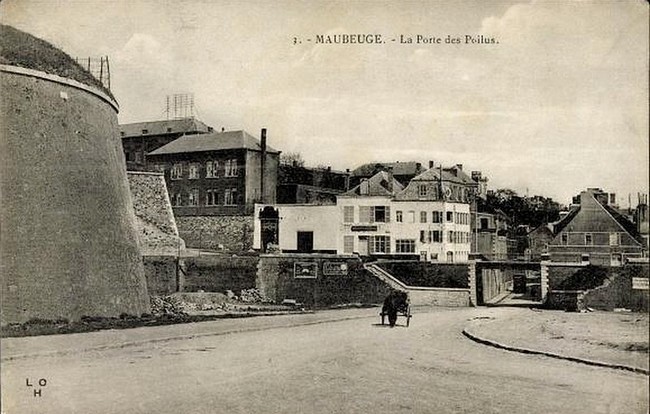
(349, 366)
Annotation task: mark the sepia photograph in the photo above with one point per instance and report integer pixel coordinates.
(293, 206)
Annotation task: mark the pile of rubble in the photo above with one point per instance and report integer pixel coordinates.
(168, 305)
(252, 296)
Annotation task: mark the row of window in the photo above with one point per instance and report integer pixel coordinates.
(213, 169)
(449, 192)
(381, 214)
(229, 197)
(614, 239)
(381, 244)
(436, 236)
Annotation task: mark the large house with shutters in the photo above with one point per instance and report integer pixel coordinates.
(378, 218)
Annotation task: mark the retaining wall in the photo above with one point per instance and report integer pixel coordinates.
(227, 233)
(276, 280)
(218, 273)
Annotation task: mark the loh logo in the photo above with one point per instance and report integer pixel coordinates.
(37, 385)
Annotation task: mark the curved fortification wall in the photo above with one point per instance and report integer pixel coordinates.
(68, 244)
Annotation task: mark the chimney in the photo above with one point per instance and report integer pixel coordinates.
(430, 164)
(347, 179)
(418, 166)
(612, 199)
(459, 166)
(223, 129)
(263, 164)
(476, 176)
(389, 171)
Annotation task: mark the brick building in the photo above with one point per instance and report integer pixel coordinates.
(213, 181)
(141, 138)
(304, 185)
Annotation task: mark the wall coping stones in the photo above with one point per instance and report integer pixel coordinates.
(17, 70)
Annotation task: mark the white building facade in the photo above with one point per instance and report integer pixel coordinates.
(435, 231)
(379, 218)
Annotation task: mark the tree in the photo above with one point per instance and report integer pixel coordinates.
(292, 158)
(531, 211)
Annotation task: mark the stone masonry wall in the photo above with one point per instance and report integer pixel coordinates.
(157, 231)
(69, 242)
(218, 273)
(227, 233)
(276, 280)
(440, 297)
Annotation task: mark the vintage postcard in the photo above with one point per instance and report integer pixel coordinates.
(325, 206)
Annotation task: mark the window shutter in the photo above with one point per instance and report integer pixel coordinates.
(387, 214)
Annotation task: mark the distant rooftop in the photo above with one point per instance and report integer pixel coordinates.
(451, 174)
(170, 126)
(378, 185)
(399, 168)
(214, 141)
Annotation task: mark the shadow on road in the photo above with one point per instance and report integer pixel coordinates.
(379, 325)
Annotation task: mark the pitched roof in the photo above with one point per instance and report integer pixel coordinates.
(215, 141)
(399, 168)
(627, 225)
(170, 126)
(378, 185)
(451, 174)
(624, 222)
(560, 225)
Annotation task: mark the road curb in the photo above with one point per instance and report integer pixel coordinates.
(521, 350)
(170, 338)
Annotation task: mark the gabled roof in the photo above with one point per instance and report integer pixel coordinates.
(399, 168)
(624, 222)
(378, 185)
(215, 141)
(627, 225)
(433, 174)
(170, 126)
(560, 225)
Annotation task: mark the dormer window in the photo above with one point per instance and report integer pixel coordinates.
(122, 133)
(145, 131)
(169, 130)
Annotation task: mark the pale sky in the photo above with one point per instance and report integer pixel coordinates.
(558, 105)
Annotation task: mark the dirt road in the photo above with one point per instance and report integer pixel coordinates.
(351, 366)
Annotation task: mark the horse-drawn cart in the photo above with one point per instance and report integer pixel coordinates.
(396, 304)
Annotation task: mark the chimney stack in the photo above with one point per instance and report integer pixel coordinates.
(389, 170)
(430, 164)
(263, 165)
